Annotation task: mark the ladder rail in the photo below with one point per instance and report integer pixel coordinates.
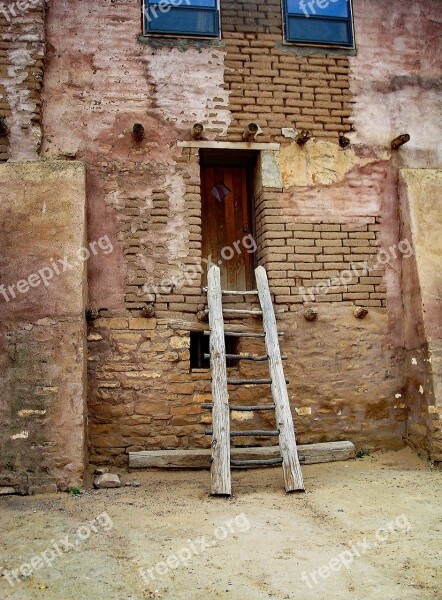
(220, 469)
(287, 442)
(221, 432)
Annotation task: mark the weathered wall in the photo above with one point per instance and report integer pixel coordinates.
(396, 81)
(42, 326)
(319, 208)
(21, 78)
(421, 213)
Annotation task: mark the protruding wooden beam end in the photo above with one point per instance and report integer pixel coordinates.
(250, 132)
(4, 129)
(400, 141)
(197, 131)
(303, 137)
(138, 132)
(344, 141)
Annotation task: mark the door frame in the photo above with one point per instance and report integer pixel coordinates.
(247, 159)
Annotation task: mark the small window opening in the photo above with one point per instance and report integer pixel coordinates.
(200, 345)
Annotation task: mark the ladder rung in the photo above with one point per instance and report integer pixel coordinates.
(236, 311)
(251, 381)
(256, 463)
(243, 357)
(209, 405)
(252, 432)
(250, 334)
(246, 357)
(237, 292)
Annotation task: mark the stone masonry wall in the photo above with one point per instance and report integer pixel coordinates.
(143, 393)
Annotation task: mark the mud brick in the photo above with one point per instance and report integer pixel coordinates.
(328, 243)
(326, 227)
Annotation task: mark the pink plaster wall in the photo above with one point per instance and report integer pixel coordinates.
(396, 77)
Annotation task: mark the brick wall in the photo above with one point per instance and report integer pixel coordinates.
(21, 78)
(271, 86)
(149, 227)
(248, 16)
(323, 261)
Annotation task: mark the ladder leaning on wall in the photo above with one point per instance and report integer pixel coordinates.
(221, 433)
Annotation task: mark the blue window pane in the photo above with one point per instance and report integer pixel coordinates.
(184, 3)
(319, 8)
(319, 31)
(182, 21)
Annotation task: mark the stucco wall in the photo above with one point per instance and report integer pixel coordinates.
(42, 325)
(395, 79)
(421, 213)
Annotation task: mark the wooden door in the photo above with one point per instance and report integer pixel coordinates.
(226, 221)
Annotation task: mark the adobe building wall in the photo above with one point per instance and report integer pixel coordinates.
(42, 328)
(320, 208)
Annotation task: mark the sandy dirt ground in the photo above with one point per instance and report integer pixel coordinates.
(366, 529)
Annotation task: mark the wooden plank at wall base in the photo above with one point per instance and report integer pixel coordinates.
(200, 458)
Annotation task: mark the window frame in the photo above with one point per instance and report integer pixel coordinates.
(190, 35)
(319, 44)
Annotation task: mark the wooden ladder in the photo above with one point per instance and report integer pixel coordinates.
(221, 433)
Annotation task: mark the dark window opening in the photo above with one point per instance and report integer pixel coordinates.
(182, 17)
(200, 345)
(319, 22)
